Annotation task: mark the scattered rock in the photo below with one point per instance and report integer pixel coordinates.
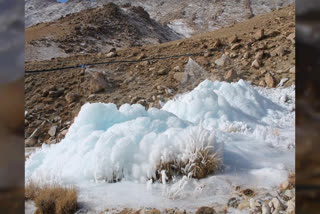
(245, 63)
(92, 96)
(134, 99)
(292, 38)
(233, 202)
(233, 39)
(248, 192)
(274, 33)
(254, 204)
(223, 61)
(263, 71)
(259, 55)
(142, 102)
(97, 82)
(163, 71)
(259, 34)
(233, 55)
(270, 80)
(180, 43)
(283, 81)
(177, 69)
(217, 43)
(205, 210)
(265, 209)
(231, 75)
(284, 185)
(277, 204)
(289, 193)
(142, 56)
(291, 206)
(30, 142)
(203, 46)
(256, 64)
(246, 55)
(71, 97)
(292, 70)
(153, 211)
(262, 83)
(280, 51)
(235, 46)
(280, 71)
(52, 131)
(180, 77)
(62, 134)
(53, 141)
(111, 54)
(55, 94)
(243, 205)
(207, 54)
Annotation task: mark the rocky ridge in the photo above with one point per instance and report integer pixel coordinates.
(95, 30)
(188, 17)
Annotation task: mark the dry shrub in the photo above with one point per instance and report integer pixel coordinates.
(31, 190)
(204, 158)
(52, 199)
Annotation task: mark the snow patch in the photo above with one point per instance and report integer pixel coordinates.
(255, 125)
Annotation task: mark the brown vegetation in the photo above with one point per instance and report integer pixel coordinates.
(204, 159)
(52, 199)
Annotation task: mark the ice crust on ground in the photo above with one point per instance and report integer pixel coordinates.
(255, 125)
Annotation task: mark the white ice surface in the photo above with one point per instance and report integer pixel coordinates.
(256, 126)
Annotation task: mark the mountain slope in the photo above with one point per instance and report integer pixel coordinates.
(95, 30)
(187, 17)
(148, 82)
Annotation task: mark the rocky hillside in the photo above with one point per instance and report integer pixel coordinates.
(95, 30)
(186, 17)
(260, 50)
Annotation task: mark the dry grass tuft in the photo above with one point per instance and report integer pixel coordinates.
(203, 158)
(31, 190)
(52, 199)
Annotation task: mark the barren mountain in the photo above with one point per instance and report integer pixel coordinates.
(95, 30)
(260, 50)
(186, 17)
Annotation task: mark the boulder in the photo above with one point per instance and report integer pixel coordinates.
(55, 94)
(235, 46)
(256, 64)
(280, 51)
(111, 54)
(52, 131)
(217, 43)
(177, 69)
(292, 70)
(30, 142)
(163, 71)
(71, 97)
(270, 81)
(246, 55)
(223, 61)
(233, 39)
(97, 82)
(231, 75)
(205, 210)
(292, 38)
(259, 34)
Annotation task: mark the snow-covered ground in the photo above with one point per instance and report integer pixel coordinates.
(253, 127)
